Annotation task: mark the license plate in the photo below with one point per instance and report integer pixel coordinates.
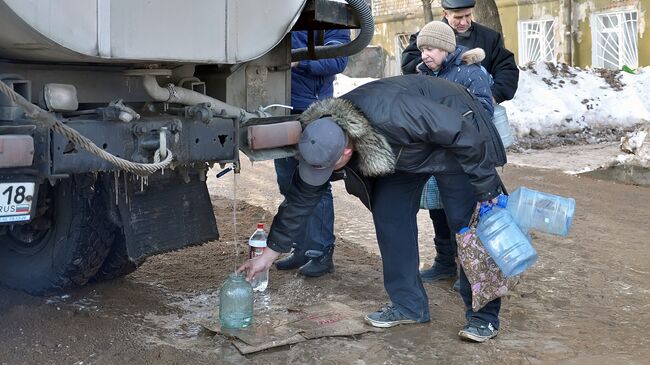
(16, 201)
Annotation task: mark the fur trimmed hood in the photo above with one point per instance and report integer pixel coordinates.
(376, 156)
(474, 55)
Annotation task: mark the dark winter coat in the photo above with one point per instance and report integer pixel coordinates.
(313, 80)
(411, 124)
(499, 61)
(463, 67)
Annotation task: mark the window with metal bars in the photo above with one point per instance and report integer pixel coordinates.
(536, 41)
(614, 40)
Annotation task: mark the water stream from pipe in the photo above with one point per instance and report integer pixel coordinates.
(234, 220)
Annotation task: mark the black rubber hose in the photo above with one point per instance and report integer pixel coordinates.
(367, 26)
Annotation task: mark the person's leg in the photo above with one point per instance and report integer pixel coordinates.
(317, 246)
(395, 205)
(444, 265)
(319, 238)
(457, 196)
(439, 219)
(284, 170)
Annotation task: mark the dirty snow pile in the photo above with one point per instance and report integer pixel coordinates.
(636, 145)
(552, 99)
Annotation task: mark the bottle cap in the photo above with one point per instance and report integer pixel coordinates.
(484, 210)
(463, 230)
(260, 225)
(502, 200)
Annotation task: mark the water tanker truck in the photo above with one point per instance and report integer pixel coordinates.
(112, 112)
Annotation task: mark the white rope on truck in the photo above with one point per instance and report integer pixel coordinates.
(50, 121)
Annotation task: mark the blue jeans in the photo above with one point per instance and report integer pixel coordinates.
(318, 233)
(395, 204)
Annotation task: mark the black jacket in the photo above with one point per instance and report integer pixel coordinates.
(499, 61)
(410, 123)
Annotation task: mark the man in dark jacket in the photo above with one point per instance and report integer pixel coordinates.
(312, 80)
(500, 63)
(385, 139)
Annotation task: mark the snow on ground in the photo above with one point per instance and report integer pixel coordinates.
(558, 98)
(343, 84)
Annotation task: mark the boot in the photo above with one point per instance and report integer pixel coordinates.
(438, 272)
(320, 263)
(295, 260)
(444, 267)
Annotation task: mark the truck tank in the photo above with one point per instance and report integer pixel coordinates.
(112, 113)
(105, 31)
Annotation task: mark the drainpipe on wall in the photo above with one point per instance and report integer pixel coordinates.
(570, 33)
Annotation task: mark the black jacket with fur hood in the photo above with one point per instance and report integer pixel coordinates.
(411, 123)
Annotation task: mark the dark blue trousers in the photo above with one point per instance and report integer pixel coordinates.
(318, 233)
(395, 206)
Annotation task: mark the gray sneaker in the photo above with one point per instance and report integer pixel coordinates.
(477, 330)
(388, 316)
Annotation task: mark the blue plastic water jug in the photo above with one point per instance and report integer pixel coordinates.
(236, 302)
(505, 241)
(500, 120)
(536, 210)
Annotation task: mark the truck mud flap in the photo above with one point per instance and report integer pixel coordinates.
(165, 214)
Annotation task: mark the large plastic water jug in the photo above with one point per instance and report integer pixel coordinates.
(500, 120)
(532, 209)
(236, 302)
(504, 240)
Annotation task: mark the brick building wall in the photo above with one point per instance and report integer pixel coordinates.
(396, 7)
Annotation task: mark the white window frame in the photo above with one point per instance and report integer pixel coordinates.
(537, 41)
(615, 45)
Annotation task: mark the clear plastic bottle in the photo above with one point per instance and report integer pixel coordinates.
(500, 120)
(236, 302)
(505, 241)
(533, 209)
(257, 245)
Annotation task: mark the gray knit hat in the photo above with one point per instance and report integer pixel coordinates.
(437, 34)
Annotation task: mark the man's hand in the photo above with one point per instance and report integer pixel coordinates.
(489, 203)
(258, 264)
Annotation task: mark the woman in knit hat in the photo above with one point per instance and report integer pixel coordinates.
(441, 57)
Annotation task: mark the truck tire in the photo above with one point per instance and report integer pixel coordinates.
(117, 263)
(68, 250)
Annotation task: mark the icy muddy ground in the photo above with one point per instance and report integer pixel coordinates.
(587, 300)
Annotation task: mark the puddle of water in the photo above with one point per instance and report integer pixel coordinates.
(626, 174)
(184, 330)
(79, 304)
